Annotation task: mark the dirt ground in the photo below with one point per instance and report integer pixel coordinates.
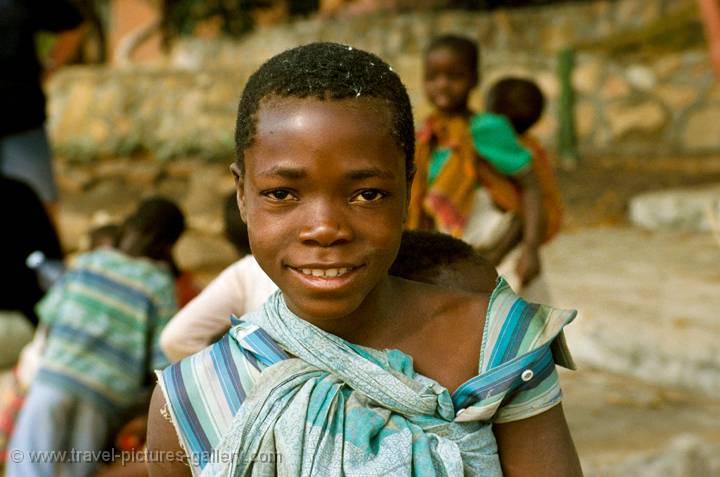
(597, 190)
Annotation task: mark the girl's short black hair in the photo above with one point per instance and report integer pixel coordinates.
(327, 71)
(462, 45)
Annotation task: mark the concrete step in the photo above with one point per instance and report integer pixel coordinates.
(683, 208)
(647, 303)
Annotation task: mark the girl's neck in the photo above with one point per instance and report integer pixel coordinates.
(371, 321)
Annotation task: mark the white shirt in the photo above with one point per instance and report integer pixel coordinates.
(240, 288)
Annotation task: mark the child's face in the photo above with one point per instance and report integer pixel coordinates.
(324, 196)
(448, 80)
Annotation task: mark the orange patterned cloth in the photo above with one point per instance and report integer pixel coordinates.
(446, 203)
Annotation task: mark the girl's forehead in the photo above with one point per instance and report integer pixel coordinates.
(369, 118)
(369, 105)
(357, 128)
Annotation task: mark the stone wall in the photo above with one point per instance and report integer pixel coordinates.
(668, 105)
(540, 30)
(94, 193)
(95, 111)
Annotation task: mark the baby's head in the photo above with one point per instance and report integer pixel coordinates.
(152, 229)
(518, 99)
(442, 260)
(450, 72)
(325, 147)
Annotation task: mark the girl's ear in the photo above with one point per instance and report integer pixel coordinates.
(240, 187)
(408, 197)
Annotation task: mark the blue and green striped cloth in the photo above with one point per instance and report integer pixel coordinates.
(338, 408)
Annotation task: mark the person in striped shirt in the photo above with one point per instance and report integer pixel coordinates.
(104, 318)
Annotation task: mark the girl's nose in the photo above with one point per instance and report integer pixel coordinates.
(325, 225)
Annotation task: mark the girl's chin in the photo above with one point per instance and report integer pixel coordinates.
(322, 312)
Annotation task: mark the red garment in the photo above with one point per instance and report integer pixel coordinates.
(185, 288)
(11, 402)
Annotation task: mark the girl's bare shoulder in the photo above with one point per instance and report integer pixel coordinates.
(444, 332)
(445, 304)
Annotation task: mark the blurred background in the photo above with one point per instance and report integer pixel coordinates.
(632, 123)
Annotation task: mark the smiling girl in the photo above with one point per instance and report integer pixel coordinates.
(347, 370)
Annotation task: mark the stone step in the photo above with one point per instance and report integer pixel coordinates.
(684, 208)
(647, 303)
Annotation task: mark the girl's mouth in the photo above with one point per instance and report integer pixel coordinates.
(325, 272)
(327, 277)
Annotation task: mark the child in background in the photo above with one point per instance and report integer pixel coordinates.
(346, 370)
(104, 317)
(474, 179)
(521, 102)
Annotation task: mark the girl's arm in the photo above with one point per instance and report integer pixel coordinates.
(163, 447)
(539, 446)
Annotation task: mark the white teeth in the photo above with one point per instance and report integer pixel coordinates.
(325, 273)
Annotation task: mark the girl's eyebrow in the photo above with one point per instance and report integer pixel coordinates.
(370, 173)
(300, 173)
(285, 172)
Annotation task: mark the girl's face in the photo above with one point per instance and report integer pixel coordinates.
(448, 80)
(324, 196)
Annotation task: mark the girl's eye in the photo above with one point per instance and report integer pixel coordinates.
(279, 195)
(369, 195)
